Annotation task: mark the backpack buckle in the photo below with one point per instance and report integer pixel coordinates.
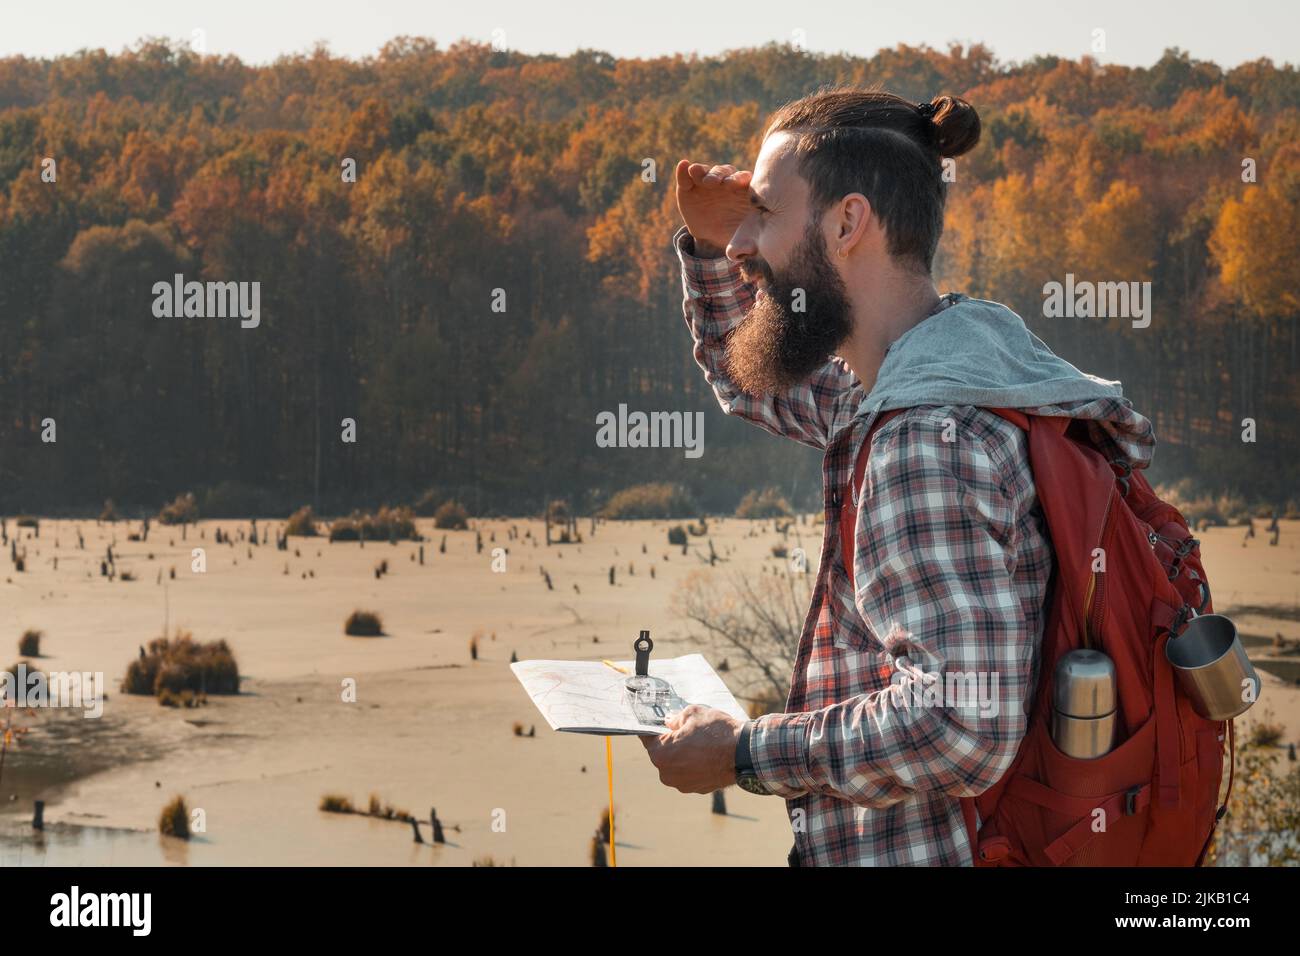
(1131, 799)
(994, 848)
(1122, 478)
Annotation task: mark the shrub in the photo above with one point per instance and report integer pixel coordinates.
(27, 521)
(650, 501)
(364, 624)
(336, 803)
(450, 516)
(677, 535)
(1200, 508)
(427, 504)
(1265, 731)
(185, 699)
(346, 529)
(183, 664)
(387, 523)
(1259, 828)
(175, 819)
(302, 523)
(29, 645)
(397, 523)
(558, 511)
(183, 510)
(1232, 508)
(757, 619)
(767, 503)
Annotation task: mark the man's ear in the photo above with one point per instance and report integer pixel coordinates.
(854, 221)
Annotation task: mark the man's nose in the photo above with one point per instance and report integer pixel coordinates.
(742, 245)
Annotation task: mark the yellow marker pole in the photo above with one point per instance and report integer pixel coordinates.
(609, 769)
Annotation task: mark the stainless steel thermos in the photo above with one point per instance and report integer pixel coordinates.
(1084, 702)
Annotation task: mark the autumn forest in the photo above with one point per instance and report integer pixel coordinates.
(498, 272)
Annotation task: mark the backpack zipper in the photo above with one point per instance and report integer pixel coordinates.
(1095, 598)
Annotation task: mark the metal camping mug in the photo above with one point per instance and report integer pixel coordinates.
(1084, 704)
(1213, 668)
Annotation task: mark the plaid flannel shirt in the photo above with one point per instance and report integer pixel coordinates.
(952, 564)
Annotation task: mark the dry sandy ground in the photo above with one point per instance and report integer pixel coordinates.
(430, 728)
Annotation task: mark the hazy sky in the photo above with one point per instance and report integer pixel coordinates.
(1136, 31)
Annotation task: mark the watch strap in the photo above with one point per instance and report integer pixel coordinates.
(744, 762)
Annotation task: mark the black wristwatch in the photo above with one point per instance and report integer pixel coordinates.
(746, 778)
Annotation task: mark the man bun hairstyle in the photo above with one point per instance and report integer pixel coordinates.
(956, 124)
(886, 148)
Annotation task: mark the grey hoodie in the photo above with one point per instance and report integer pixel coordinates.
(981, 353)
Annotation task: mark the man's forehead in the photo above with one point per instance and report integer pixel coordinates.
(775, 164)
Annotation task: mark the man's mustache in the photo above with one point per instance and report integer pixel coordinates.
(752, 274)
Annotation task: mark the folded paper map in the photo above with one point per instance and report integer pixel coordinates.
(591, 697)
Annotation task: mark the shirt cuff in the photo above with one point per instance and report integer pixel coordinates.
(778, 748)
(703, 277)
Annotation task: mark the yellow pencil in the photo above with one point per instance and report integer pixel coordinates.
(621, 670)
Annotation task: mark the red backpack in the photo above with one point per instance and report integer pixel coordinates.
(1158, 788)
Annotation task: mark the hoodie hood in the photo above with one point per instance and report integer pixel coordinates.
(976, 352)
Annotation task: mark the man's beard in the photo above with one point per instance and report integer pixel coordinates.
(774, 347)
